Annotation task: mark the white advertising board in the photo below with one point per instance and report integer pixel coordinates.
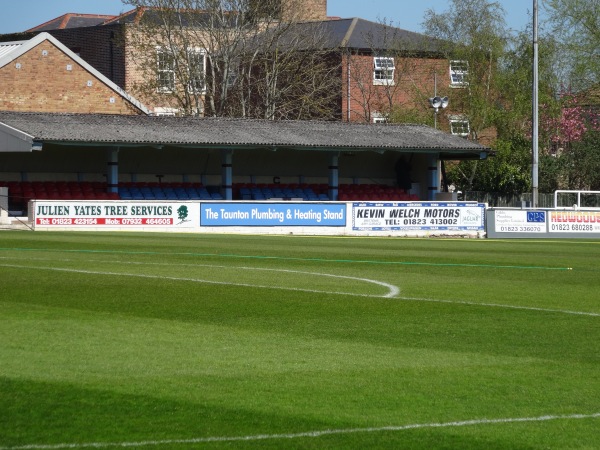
(520, 221)
(82, 214)
(575, 221)
(418, 216)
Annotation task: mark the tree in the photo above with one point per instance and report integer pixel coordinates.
(515, 84)
(576, 23)
(232, 58)
(475, 36)
(502, 174)
(574, 142)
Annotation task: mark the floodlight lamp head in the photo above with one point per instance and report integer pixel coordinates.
(436, 102)
(445, 101)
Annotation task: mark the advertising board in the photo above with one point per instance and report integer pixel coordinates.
(574, 222)
(511, 223)
(418, 216)
(80, 214)
(520, 221)
(284, 214)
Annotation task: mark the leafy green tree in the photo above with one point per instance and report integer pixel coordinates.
(502, 173)
(581, 163)
(576, 24)
(515, 82)
(475, 32)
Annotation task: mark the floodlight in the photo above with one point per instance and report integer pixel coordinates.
(435, 102)
(438, 102)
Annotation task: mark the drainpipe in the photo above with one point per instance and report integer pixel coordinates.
(348, 96)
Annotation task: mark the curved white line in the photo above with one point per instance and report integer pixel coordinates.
(393, 290)
(499, 305)
(306, 434)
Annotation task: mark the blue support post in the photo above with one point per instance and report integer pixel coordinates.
(432, 176)
(112, 172)
(333, 176)
(227, 174)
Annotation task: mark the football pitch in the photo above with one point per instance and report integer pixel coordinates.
(187, 341)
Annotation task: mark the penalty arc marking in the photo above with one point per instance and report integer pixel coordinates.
(392, 291)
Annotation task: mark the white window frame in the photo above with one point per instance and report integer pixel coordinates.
(165, 70)
(197, 85)
(378, 118)
(459, 71)
(460, 126)
(165, 111)
(383, 71)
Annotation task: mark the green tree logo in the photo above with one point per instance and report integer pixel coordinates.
(183, 213)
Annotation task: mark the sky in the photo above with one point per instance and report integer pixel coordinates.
(20, 15)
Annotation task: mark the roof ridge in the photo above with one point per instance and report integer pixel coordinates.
(349, 32)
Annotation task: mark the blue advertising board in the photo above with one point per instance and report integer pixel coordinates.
(284, 214)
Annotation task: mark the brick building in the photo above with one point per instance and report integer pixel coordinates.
(42, 75)
(383, 70)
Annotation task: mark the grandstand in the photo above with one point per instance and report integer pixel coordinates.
(21, 192)
(110, 157)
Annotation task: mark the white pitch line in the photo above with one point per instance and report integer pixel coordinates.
(500, 305)
(392, 290)
(306, 434)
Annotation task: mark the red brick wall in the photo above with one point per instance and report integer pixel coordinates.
(413, 85)
(43, 84)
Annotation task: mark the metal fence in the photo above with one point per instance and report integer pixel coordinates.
(566, 199)
(497, 200)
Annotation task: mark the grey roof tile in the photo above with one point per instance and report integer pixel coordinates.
(236, 133)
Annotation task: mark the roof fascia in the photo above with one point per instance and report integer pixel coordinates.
(23, 47)
(24, 141)
(445, 154)
(396, 52)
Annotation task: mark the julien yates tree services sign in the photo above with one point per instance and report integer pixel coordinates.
(114, 214)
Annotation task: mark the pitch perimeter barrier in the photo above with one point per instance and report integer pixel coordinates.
(543, 223)
(418, 219)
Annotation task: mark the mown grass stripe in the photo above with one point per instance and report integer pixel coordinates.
(307, 434)
(287, 258)
(392, 290)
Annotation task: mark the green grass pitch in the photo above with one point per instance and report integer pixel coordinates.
(186, 341)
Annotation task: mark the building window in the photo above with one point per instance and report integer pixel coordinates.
(383, 72)
(459, 126)
(459, 71)
(165, 71)
(168, 64)
(165, 111)
(197, 70)
(378, 118)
